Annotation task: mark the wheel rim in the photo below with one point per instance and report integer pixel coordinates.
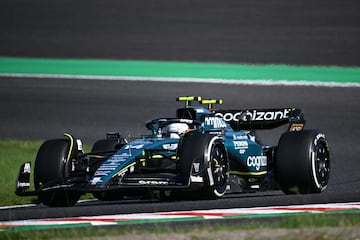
(322, 164)
(219, 168)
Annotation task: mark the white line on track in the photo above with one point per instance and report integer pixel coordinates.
(259, 82)
(17, 206)
(34, 205)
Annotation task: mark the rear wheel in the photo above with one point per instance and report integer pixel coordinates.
(50, 170)
(303, 162)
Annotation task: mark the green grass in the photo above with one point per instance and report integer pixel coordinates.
(302, 222)
(12, 154)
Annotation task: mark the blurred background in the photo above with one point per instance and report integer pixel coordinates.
(308, 32)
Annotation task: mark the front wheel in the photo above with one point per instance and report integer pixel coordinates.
(50, 170)
(208, 153)
(303, 162)
(217, 171)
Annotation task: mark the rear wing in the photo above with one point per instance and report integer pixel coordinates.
(252, 119)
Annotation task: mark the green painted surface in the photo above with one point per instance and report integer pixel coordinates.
(179, 70)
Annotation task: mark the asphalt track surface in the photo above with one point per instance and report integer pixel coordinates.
(306, 32)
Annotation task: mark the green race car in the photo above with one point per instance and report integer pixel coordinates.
(202, 153)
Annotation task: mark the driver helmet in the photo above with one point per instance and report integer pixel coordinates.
(174, 130)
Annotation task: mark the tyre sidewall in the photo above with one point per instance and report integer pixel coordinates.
(212, 190)
(295, 162)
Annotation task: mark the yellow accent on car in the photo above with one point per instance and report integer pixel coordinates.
(248, 173)
(211, 101)
(188, 98)
(124, 169)
(71, 144)
(173, 157)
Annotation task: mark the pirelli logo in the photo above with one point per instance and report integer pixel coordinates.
(296, 127)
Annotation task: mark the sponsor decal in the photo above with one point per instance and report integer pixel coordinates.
(124, 155)
(188, 121)
(114, 161)
(257, 161)
(240, 137)
(255, 115)
(215, 122)
(170, 146)
(27, 167)
(135, 146)
(196, 167)
(242, 146)
(296, 127)
(79, 144)
(196, 179)
(107, 168)
(153, 182)
(102, 173)
(95, 180)
(22, 184)
(318, 137)
(228, 117)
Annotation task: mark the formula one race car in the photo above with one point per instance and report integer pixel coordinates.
(201, 153)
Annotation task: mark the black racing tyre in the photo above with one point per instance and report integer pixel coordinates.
(50, 170)
(210, 151)
(106, 146)
(302, 162)
(217, 172)
(191, 149)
